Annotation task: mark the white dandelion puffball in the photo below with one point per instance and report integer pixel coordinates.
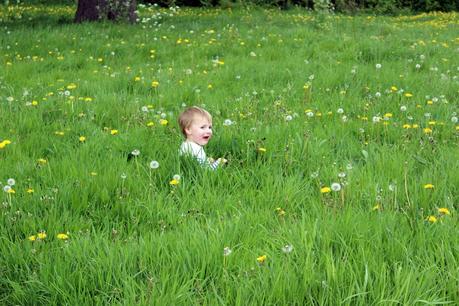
(135, 152)
(154, 164)
(378, 66)
(288, 118)
(403, 108)
(176, 177)
(340, 110)
(287, 248)
(227, 251)
(11, 182)
(227, 122)
(336, 186)
(7, 188)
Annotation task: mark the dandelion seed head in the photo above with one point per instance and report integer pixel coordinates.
(176, 177)
(227, 251)
(135, 152)
(336, 187)
(378, 66)
(11, 181)
(287, 248)
(154, 164)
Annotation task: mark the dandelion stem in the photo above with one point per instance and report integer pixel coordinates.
(406, 186)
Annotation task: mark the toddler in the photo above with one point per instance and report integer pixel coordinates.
(196, 126)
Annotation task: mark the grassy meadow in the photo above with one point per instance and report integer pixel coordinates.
(341, 134)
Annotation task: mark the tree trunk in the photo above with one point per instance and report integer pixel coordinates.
(93, 10)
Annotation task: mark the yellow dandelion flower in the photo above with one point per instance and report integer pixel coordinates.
(428, 186)
(32, 238)
(280, 212)
(151, 123)
(59, 133)
(163, 122)
(154, 84)
(415, 126)
(2, 145)
(432, 122)
(34, 103)
(42, 161)
(87, 99)
(82, 139)
(136, 79)
(11, 191)
(429, 102)
(62, 236)
(93, 173)
(114, 132)
(444, 211)
(41, 235)
(325, 190)
(432, 219)
(174, 182)
(30, 190)
(376, 207)
(427, 131)
(262, 150)
(408, 95)
(388, 115)
(406, 126)
(261, 259)
(71, 86)
(393, 88)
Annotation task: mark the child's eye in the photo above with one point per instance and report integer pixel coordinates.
(210, 127)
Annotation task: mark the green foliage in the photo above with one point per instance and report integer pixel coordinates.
(300, 101)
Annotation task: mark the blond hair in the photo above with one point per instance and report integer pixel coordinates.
(188, 115)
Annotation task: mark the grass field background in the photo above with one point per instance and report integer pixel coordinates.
(301, 103)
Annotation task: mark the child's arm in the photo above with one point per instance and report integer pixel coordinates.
(214, 165)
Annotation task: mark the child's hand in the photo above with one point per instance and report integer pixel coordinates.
(223, 160)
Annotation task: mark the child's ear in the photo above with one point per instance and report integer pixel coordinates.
(187, 131)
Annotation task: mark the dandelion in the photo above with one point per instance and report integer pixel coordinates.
(174, 182)
(288, 118)
(154, 84)
(113, 132)
(408, 95)
(444, 211)
(432, 219)
(227, 122)
(123, 176)
(403, 108)
(325, 190)
(340, 111)
(418, 66)
(145, 109)
(261, 259)
(154, 164)
(454, 119)
(227, 251)
(376, 119)
(163, 122)
(42, 161)
(135, 153)
(41, 235)
(428, 186)
(287, 248)
(342, 175)
(378, 66)
(310, 114)
(93, 173)
(32, 238)
(262, 150)
(376, 207)
(62, 236)
(427, 131)
(336, 187)
(177, 177)
(280, 212)
(378, 94)
(82, 139)
(7, 189)
(11, 182)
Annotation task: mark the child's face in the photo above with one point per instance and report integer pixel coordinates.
(200, 130)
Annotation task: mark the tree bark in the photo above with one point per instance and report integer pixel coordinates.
(93, 10)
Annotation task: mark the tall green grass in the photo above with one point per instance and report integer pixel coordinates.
(304, 87)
